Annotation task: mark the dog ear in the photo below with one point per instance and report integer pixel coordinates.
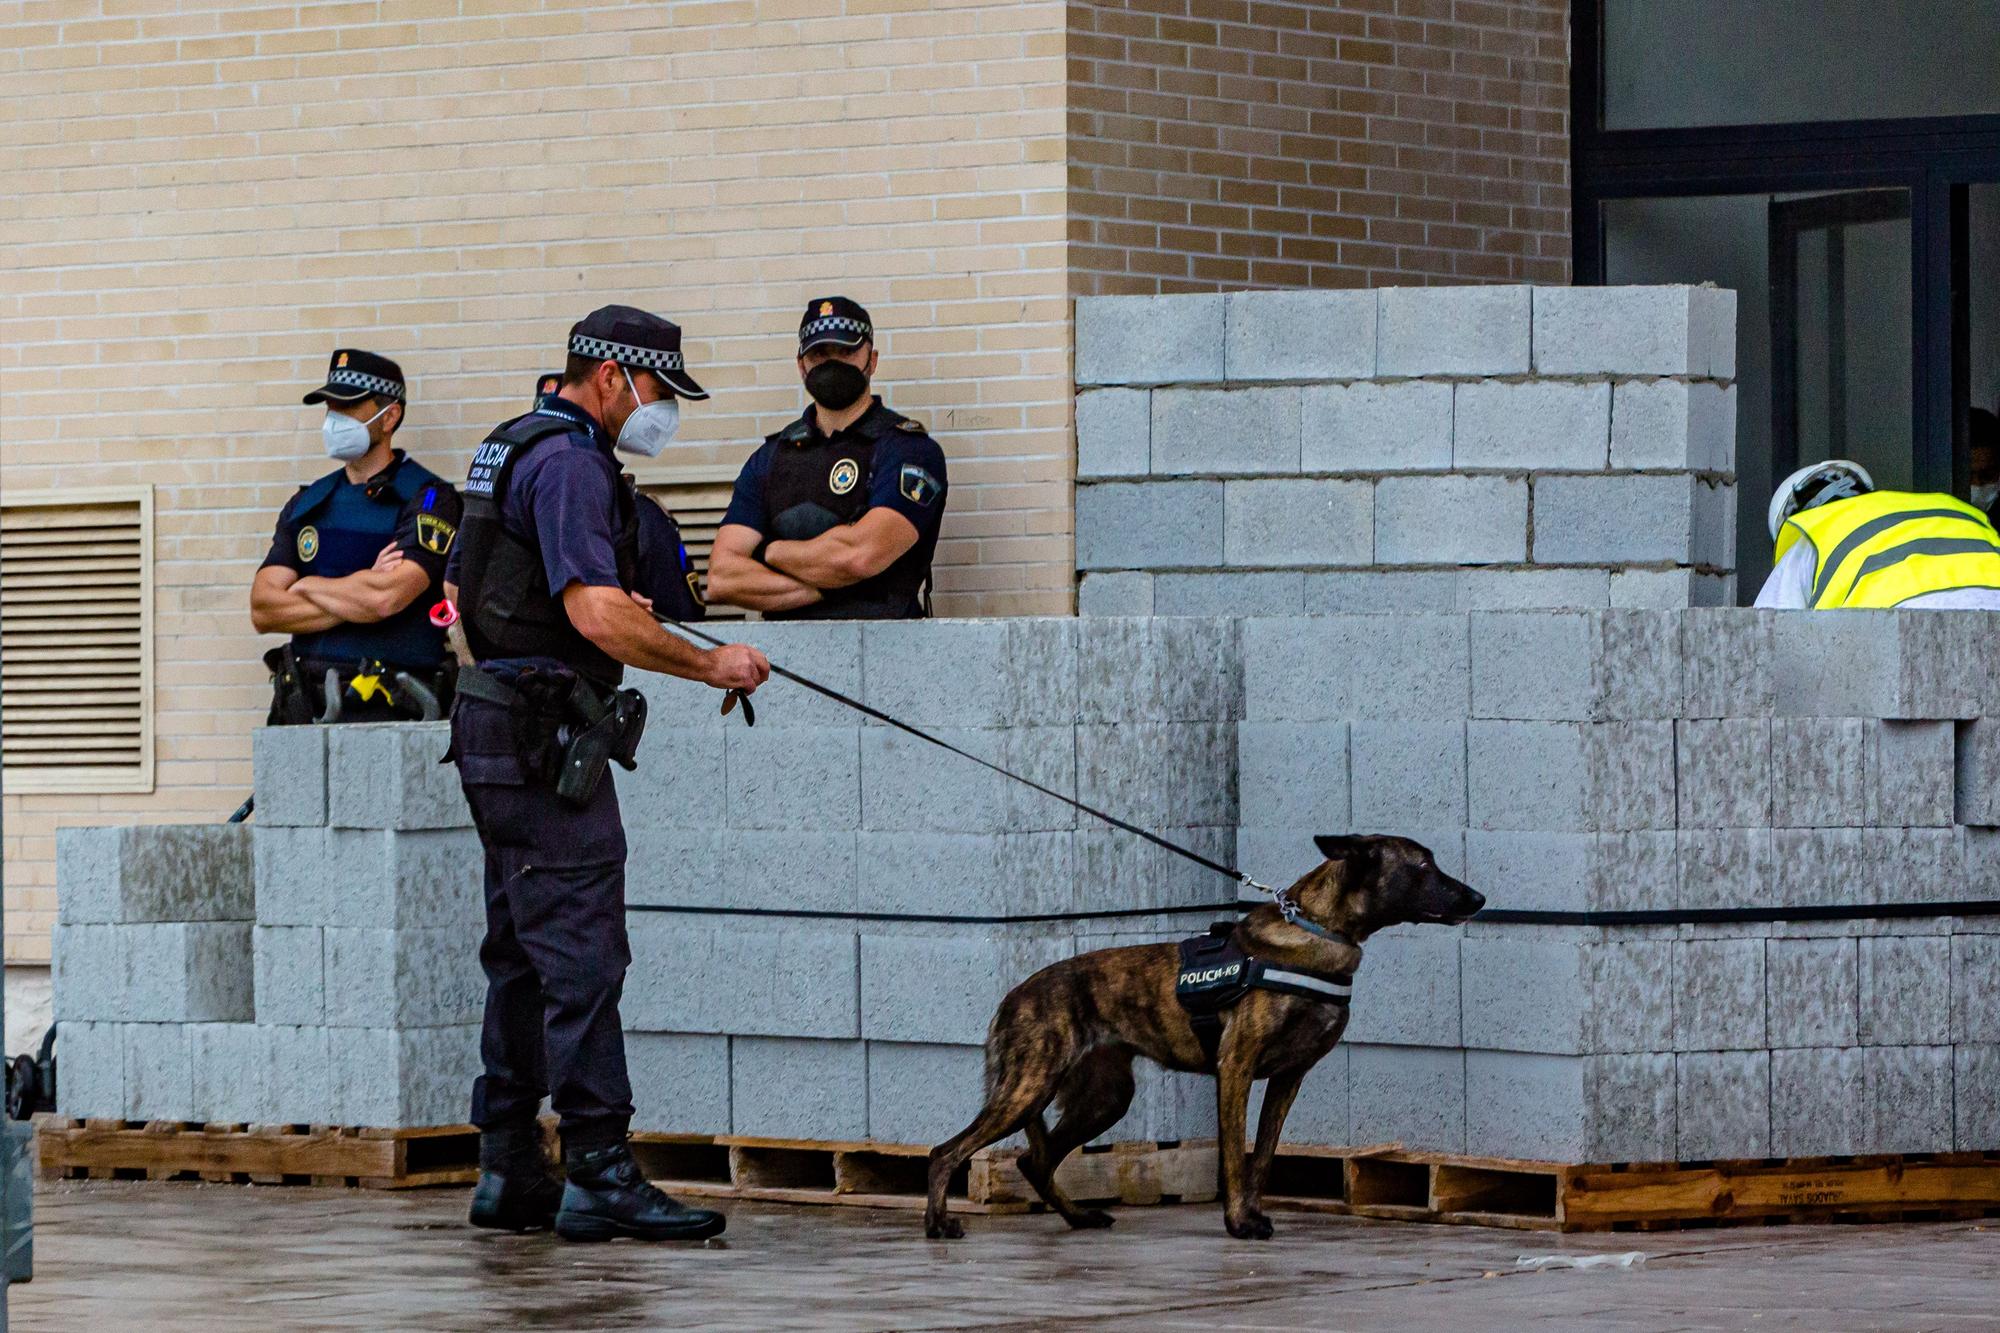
(1342, 847)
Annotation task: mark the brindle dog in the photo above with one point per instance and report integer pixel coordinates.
(1068, 1033)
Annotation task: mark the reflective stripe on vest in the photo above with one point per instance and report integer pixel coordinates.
(1882, 549)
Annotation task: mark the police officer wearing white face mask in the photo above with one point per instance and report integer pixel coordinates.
(356, 563)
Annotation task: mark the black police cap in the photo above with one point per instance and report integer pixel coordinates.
(637, 340)
(352, 374)
(837, 320)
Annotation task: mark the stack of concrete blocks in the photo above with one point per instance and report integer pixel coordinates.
(317, 966)
(1673, 761)
(1405, 449)
(827, 911)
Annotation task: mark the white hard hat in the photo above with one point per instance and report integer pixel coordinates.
(1844, 480)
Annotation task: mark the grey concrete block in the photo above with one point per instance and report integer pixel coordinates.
(1819, 772)
(1673, 425)
(1670, 589)
(923, 1093)
(289, 967)
(301, 1083)
(289, 775)
(1812, 866)
(1538, 424)
(1905, 997)
(1819, 1102)
(682, 768)
(1299, 335)
(793, 779)
(1564, 776)
(154, 873)
(1530, 589)
(1715, 328)
(231, 1072)
(1453, 331)
(1115, 870)
(1879, 664)
(1639, 666)
(428, 878)
(1331, 668)
(1408, 774)
(799, 869)
(1399, 426)
(402, 978)
(1408, 1094)
(1451, 520)
(1635, 870)
(1373, 592)
(1725, 867)
(793, 1089)
(1815, 988)
(909, 785)
(92, 1082)
(87, 973)
(1628, 997)
(1003, 672)
(1975, 984)
(1162, 670)
(1113, 432)
(1727, 653)
(1319, 1112)
(1975, 1098)
(1149, 339)
(1910, 774)
(1719, 995)
(1625, 518)
(410, 1077)
(159, 1071)
(944, 989)
(1298, 521)
(1909, 1098)
(1535, 665)
(1149, 525)
(680, 1082)
(286, 894)
(1177, 773)
(1976, 776)
(388, 775)
(967, 874)
(1526, 1106)
(1654, 330)
(1722, 1105)
(1225, 432)
(1265, 593)
(689, 974)
(1524, 994)
(1116, 593)
(186, 973)
(1724, 772)
(1631, 1101)
(1909, 865)
(1407, 991)
(827, 651)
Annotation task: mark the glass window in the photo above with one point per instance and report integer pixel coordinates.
(1671, 63)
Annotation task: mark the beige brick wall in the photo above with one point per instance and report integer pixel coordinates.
(201, 199)
(1265, 143)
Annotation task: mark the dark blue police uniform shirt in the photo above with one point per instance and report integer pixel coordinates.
(664, 564)
(894, 450)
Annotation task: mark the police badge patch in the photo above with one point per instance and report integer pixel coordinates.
(434, 534)
(308, 542)
(918, 486)
(845, 473)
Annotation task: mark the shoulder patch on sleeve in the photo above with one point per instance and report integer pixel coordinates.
(434, 534)
(911, 425)
(918, 486)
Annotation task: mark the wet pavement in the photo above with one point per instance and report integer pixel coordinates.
(215, 1258)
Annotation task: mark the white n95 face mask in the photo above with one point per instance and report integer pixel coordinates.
(652, 427)
(347, 439)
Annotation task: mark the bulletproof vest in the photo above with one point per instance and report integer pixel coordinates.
(817, 483)
(1216, 973)
(340, 528)
(503, 592)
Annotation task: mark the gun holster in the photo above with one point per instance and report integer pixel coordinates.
(597, 729)
(292, 702)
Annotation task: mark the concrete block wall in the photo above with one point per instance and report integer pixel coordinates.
(1405, 449)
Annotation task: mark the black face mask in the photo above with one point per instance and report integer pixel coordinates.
(836, 385)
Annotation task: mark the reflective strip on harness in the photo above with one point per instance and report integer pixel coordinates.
(1300, 983)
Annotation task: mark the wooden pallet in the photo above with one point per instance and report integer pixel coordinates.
(258, 1154)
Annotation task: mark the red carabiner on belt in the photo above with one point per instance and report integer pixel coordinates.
(444, 615)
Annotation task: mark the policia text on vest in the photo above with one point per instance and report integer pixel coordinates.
(355, 562)
(1886, 549)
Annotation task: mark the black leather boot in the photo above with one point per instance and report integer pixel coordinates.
(516, 1191)
(608, 1196)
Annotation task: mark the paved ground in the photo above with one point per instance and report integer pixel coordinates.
(221, 1258)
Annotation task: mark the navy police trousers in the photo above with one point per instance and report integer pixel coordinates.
(555, 951)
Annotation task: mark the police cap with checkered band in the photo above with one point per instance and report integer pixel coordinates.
(352, 374)
(834, 319)
(637, 341)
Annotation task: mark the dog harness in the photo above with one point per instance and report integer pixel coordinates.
(1216, 973)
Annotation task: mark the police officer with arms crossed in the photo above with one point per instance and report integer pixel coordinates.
(836, 517)
(543, 578)
(352, 559)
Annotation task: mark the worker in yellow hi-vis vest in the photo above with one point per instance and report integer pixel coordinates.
(1840, 543)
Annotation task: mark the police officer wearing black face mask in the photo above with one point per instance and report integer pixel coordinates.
(355, 563)
(545, 579)
(837, 515)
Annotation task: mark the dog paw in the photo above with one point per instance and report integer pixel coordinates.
(1092, 1219)
(1251, 1226)
(943, 1228)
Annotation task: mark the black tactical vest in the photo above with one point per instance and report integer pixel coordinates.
(503, 592)
(816, 483)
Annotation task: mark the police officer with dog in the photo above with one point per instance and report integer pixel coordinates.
(352, 561)
(837, 515)
(544, 579)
